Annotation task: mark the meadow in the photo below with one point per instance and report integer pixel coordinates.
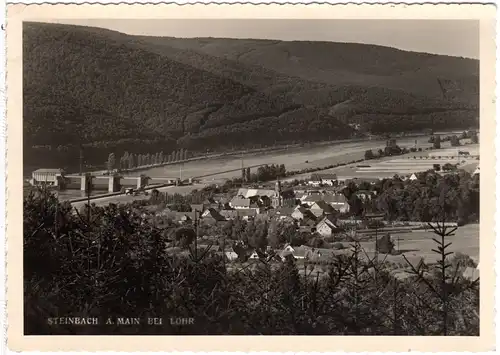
(297, 158)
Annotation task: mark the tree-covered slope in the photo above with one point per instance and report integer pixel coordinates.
(112, 92)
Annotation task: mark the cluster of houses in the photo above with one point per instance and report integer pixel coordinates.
(311, 210)
(240, 252)
(302, 252)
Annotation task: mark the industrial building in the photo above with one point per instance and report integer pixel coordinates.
(46, 176)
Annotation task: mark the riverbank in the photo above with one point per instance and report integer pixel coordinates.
(250, 152)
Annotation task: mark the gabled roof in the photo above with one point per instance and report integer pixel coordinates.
(337, 198)
(213, 213)
(284, 211)
(247, 193)
(476, 171)
(229, 213)
(300, 251)
(315, 177)
(240, 202)
(313, 198)
(323, 206)
(306, 213)
(329, 221)
(319, 176)
(301, 209)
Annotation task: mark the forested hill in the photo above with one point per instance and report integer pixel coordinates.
(113, 92)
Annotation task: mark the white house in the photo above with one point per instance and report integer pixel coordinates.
(231, 254)
(322, 179)
(413, 177)
(247, 193)
(326, 227)
(254, 255)
(320, 208)
(300, 213)
(296, 252)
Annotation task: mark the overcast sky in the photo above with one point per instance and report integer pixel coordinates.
(449, 37)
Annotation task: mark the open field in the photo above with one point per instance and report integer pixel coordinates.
(387, 167)
(184, 190)
(419, 244)
(293, 158)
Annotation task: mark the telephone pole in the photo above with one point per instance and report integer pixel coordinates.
(243, 173)
(81, 160)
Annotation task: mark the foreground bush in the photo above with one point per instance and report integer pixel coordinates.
(110, 262)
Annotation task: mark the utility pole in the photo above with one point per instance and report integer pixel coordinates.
(243, 173)
(81, 160)
(196, 235)
(88, 191)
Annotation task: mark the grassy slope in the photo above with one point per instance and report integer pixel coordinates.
(112, 91)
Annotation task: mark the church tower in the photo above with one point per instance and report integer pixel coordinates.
(277, 200)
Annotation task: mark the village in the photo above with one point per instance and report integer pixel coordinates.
(310, 221)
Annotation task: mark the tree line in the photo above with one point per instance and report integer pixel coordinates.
(421, 199)
(131, 160)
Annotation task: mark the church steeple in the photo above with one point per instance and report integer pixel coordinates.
(278, 201)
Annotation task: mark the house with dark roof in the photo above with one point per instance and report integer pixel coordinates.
(211, 215)
(327, 226)
(321, 208)
(281, 212)
(310, 195)
(301, 213)
(314, 180)
(185, 217)
(338, 202)
(239, 202)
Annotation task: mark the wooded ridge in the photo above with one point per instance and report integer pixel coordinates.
(109, 91)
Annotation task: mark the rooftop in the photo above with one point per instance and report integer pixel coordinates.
(48, 171)
(328, 198)
(247, 193)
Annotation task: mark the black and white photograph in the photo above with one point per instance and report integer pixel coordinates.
(251, 177)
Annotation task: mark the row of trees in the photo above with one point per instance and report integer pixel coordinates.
(391, 148)
(130, 160)
(112, 262)
(454, 139)
(263, 173)
(420, 200)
